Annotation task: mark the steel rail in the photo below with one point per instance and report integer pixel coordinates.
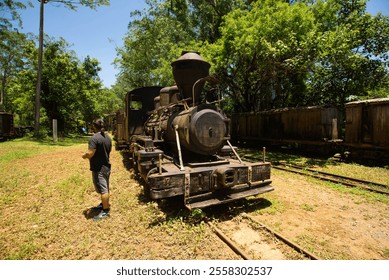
(290, 243)
(228, 241)
(327, 176)
(338, 176)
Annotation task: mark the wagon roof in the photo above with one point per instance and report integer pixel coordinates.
(4, 113)
(278, 110)
(368, 101)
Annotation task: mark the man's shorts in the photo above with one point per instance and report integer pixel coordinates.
(101, 180)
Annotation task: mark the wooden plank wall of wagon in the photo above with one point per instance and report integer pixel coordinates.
(271, 125)
(380, 124)
(1, 123)
(308, 123)
(6, 125)
(367, 122)
(353, 124)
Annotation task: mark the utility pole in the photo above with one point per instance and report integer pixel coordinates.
(1, 100)
(39, 76)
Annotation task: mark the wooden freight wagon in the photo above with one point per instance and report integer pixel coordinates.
(109, 122)
(7, 130)
(289, 125)
(119, 131)
(368, 122)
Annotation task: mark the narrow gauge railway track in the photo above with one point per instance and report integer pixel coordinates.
(237, 249)
(346, 181)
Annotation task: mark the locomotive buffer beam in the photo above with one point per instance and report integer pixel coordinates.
(210, 199)
(204, 185)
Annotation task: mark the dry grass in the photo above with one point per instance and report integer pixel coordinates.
(378, 174)
(45, 193)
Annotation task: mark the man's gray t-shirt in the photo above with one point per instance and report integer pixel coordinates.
(103, 145)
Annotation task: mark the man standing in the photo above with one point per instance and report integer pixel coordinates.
(99, 148)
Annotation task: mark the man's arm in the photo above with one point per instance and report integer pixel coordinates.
(89, 154)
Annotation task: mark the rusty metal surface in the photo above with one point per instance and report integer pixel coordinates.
(173, 142)
(187, 70)
(204, 185)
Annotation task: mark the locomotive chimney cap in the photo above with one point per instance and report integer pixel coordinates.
(188, 69)
(185, 52)
(190, 55)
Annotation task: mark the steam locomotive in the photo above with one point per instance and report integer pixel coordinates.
(180, 146)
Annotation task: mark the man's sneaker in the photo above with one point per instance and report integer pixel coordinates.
(102, 215)
(99, 207)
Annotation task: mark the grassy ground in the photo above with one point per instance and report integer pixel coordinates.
(379, 174)
(45, 194)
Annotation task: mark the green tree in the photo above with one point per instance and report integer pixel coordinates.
(12, 59)
(147, 44)
(94, 101)
(353, 49)
(20, 90)
(158, 35)
(264, 54)
(9, 13)
(11, 44)
(21, 97)
(71, 90)
(207, 17)
(71, 5)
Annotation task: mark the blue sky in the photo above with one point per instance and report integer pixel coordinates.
(98, 32)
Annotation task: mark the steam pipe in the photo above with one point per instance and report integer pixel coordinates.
(208, 78)
(193, 89)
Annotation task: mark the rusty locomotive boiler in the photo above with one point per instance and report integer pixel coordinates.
(180, 146)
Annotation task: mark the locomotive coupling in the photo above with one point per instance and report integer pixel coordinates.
(225, 178)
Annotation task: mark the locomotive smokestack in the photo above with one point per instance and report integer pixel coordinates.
(187, 70)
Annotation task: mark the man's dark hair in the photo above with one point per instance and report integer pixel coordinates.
(99, 124)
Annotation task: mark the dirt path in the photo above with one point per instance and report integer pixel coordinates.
(331, 224)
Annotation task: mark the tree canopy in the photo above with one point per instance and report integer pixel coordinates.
(71, 90)
(266, 53)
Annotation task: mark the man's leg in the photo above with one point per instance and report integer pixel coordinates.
(105, 200)
(103, 182)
